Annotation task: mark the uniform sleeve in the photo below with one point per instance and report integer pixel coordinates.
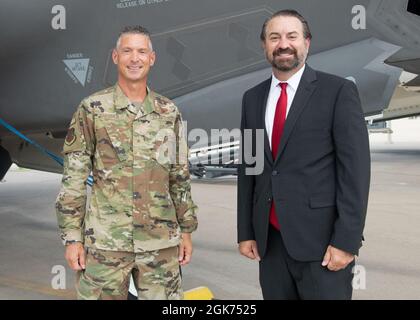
(77, 151)
(179, 183)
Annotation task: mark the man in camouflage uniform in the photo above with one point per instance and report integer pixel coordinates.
(140, 215)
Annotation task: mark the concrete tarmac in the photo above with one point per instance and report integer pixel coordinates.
(390, 258)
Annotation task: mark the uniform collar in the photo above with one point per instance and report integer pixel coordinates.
(121, 101)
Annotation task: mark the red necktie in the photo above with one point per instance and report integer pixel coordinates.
(278, 126)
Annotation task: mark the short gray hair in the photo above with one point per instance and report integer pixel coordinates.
(134, 30)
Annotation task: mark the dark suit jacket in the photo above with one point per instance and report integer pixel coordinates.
(320, 178)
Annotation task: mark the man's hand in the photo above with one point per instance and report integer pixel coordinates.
(249, 249)
(185, 249)
(336, 259)
(75, 256)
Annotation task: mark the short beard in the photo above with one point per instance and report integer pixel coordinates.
(286, 66)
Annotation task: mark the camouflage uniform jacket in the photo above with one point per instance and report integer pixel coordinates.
(141, 197)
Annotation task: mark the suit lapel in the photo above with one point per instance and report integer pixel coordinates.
(305, 89)
(261, 120)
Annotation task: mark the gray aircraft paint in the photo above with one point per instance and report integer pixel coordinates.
(208, 53)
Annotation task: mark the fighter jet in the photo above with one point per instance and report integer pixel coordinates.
(55, 53)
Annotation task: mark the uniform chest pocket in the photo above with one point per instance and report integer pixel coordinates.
(165, 148)
(156, 137)
(161, 207)
(113, 141)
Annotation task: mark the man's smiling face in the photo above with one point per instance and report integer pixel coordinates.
(285, 45)
(134, 57)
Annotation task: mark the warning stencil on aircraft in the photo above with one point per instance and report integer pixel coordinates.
(79, 69)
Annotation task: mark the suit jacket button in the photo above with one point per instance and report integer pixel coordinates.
(274, 173)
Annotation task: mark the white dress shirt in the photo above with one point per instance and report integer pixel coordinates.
(273, 96)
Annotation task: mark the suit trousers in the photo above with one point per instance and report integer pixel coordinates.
(284, 278)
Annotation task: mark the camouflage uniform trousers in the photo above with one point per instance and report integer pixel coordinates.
(107, 275)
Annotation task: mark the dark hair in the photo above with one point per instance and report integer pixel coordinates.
(134, 30)
(288, 13)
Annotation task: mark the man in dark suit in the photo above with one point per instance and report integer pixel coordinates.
(303, 217)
